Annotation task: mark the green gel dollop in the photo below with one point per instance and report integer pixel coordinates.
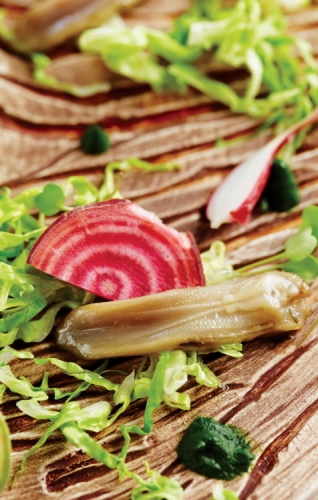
(95, 141)
(281, 191)
(215, 450)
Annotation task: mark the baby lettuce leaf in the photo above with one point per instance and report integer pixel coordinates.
(297, 256)
(29, 300)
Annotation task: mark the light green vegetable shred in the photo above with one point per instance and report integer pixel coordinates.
(30, 301)
(252, 35)
(5, 453)
(220, 493)
(280, 88)
(41, 75)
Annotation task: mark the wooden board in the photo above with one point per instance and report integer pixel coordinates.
(272, 392)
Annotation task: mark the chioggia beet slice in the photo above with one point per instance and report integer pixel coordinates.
(117, 250)
(200, 319)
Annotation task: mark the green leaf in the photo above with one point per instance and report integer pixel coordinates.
(66, 414)
(233, 350)
(162, 44)
(310, 219)
(203, 375)
(75, 435)
(5, 453)
(9, 240)
(5, 31)
(220, 493)
(158, 488)
(306, 268)
(2, 391)
(300, 245)
(37, 330)
(69, 368)
(94, 417)
(32, 303)
(32, 408)
(156, 391)
(40, 75)
(214, 264)
(51, 200)
(213, 88)
(255, 66)
(19, 386)
(85, 191)
(123, 51)
(109, 190)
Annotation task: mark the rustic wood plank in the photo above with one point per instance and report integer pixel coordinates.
(272, 391)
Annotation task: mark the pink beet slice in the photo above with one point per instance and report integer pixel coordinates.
(235, 198)
(117, 250)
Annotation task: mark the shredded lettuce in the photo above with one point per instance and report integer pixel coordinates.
(5, 31)
(73, 421)
(252, 34)
(40, 75)
(160, 382)
(109, 189)
(29, 299)
(293, 5)
(214, 264)
(166, 375)
(158, 488)
(24, 295)
(297, 256)
(220, 493)
(5, 455)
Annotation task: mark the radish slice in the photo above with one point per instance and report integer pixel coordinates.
(117, 250)
(235, 198)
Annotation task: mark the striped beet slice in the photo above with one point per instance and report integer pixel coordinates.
(117, 250)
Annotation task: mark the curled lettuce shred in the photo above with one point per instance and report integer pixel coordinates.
(159, 383)
(31, 300)
(5, 455)
(220, 493)
(297, 257)
(41, 75)
(251, 34)
(5, 31)
(73, 421)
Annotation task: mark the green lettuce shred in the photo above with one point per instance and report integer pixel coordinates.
(42, 63)
(251, 34)
(220, 493)
(158, 488)
(30, 300)
(73, 421)
(297, 257)
(5, 31)
(5, 453)
(159, 383)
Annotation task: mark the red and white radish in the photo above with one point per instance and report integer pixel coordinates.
(234, 199)
(117, 250)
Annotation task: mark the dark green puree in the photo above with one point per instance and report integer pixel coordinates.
(95, 141)
(215, 450)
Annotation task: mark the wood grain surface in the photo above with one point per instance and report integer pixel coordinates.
(272, 392)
